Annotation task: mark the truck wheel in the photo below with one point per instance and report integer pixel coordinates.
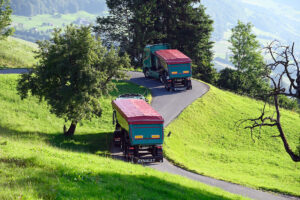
(167, 88)
(161, 79)
(189, 87)
(147, 73)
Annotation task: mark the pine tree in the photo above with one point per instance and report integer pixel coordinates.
(180, 23)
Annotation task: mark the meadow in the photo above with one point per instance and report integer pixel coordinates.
(16, 53)
(38, 162)
(47, 21)
(211, 144)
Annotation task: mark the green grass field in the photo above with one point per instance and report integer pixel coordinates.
(209, 144)
(57, 20)
(16, 53)
(37, 162)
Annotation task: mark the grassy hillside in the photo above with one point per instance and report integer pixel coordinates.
(16, 53)
(37, 162)
(210, 144)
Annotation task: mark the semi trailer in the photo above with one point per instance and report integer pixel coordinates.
(138, 131)
(170, 66)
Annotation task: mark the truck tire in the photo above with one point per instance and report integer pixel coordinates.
(167, 88)
(161, 79)
(189, 85)
(147, 73)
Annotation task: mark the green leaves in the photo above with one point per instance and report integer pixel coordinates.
(5, 20)
(75, 70)
(134, 24)
(249, 77)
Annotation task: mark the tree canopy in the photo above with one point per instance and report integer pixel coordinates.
(133, 24)
(74, 71)
(249, 74)
(5, 20)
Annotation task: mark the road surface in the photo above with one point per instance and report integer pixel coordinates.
(170, 105)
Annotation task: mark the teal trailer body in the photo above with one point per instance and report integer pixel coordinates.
(143, 124)
(146, 134)
(170, 66)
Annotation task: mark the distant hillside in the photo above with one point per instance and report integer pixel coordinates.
(16, 53)
(38, 7)
(272, 19)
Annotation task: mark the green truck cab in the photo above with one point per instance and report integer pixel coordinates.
(170, 66)
(139, 129)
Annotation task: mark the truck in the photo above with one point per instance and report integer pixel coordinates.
(139, 130)
(170, 66)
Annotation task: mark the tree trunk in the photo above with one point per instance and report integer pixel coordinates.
(295, 157)
(71, 130)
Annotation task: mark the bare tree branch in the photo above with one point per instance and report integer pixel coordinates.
(284, 57)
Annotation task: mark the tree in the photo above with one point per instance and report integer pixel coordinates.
(75, 70)
(182, 24)
(247, 60)
(285, 64)
(5, 19)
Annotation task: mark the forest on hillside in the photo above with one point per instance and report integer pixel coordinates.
(37, 7)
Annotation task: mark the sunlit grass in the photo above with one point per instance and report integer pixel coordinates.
(16, 53)
(37, 162)
(205, 139)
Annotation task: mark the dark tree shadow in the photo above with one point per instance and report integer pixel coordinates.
(96, 143)
(64, 183)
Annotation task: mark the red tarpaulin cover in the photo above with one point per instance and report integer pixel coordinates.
(173, 56)
(137, 111)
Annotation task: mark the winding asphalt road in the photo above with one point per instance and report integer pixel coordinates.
(170, 105)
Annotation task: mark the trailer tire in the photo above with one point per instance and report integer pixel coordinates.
(161, 79)
(146, 73)
(167, 88)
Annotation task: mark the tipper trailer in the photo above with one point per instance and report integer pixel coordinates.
(139, 130)
(170, 66)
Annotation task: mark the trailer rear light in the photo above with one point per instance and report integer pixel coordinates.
(138, 137)
(156, 136)
(131, 148)
(189, 78)
(186, 72)
(170, 80)
(159, 147)
(174, 72)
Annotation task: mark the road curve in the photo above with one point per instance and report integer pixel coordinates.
(170, 105)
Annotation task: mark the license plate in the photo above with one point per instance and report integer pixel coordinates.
(146, 160)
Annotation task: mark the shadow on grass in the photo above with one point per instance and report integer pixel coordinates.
(63, 183)
(96, 143)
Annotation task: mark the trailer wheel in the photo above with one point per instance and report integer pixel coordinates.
(161, 79)
(147, 73)
(189, 85)
(167, 88)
